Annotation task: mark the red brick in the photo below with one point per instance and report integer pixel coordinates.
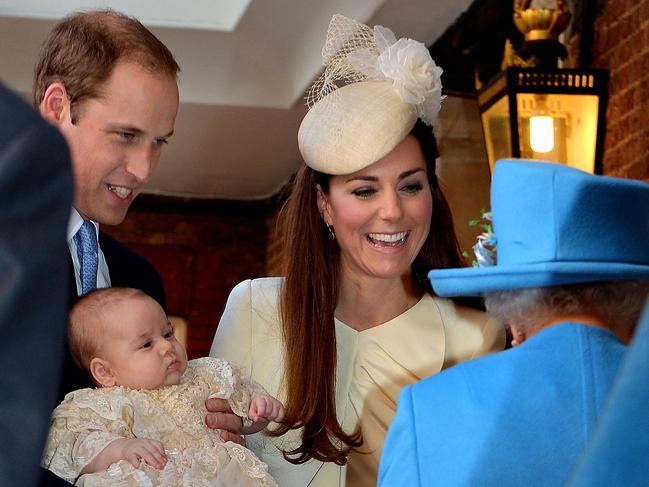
(636, 70)
(611, 11)
(175, 266)
(612, 134)
(627, 101)
(626, 126)
(644, 12)
(199, 348)
(634, 19)
(615, 33)
(619, 8)
(613, 110)
(640, 93)
(200, 256)
(619, 80)
(643, 64)
(634, 170)
(640, 142)
(611, 160)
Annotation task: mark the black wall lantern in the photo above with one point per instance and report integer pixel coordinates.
(536, 110)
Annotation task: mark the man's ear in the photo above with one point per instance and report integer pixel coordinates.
(102, 373)
(323, 205)
(55, 105)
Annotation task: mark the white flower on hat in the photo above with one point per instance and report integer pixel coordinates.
(368, 98)
(414, 74)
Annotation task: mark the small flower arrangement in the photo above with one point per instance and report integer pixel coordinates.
(485, 249)
(407, 63)
(414, 74)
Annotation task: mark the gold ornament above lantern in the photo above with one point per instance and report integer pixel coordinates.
(541, 23)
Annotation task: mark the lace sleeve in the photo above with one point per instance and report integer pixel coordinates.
(229, 382)
(79, 432)
(243, 392)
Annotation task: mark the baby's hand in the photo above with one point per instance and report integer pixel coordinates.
(151, 451)
(265, 408)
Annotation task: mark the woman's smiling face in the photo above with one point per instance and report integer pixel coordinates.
(381, 214)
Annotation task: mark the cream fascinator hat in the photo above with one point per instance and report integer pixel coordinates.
(371, 93)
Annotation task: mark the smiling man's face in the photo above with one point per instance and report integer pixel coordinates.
(116, 141)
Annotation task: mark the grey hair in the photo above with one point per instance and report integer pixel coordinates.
(617, 304)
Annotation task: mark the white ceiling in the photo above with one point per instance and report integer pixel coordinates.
(204, 14)
(245, 67)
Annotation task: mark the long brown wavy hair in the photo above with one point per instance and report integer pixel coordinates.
(308, 300)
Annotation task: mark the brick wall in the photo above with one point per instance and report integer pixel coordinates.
(621, 45)
(202, 250)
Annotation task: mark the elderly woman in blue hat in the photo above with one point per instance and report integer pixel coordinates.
(570, 278)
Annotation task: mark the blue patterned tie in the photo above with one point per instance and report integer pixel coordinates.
(86, 241)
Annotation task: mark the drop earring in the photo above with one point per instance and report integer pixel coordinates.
(332, 235)
(517, 339)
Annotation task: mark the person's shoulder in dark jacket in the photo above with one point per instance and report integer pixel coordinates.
(129, 269)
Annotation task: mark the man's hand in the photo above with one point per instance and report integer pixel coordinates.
(220, 416)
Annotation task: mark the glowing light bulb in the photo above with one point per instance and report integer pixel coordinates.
(541, 133)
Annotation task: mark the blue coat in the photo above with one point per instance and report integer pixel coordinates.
(516, 418)
(618, 451)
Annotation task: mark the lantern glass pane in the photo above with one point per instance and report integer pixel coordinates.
(495, 123)
(574, 120)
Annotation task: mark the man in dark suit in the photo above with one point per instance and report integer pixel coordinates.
(35, 202)
(109, 85)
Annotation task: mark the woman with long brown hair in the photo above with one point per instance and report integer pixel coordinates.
(355, 319)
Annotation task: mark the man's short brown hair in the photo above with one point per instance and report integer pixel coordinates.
(82, 50)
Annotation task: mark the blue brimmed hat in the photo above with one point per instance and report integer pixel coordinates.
(556, 225)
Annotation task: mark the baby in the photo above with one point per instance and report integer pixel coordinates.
(145, 422)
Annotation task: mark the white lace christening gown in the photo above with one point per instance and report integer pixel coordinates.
(88, 419)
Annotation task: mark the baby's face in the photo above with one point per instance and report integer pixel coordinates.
(140, 345)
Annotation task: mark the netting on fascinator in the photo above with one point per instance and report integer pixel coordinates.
(354, 52)
(368, 98)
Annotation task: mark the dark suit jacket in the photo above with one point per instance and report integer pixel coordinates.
(35, 201)
(127, 269)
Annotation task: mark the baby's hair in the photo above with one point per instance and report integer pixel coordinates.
(86, 322)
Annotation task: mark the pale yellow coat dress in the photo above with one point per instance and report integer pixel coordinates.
(373, 366)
